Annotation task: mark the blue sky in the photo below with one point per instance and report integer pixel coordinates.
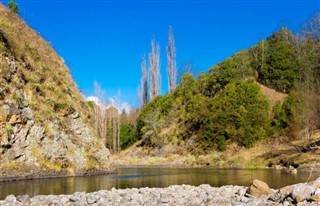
(103, 40)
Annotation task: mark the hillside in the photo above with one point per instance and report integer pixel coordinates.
(44, 126)
(264, 96)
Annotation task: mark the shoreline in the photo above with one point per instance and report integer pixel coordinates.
(257, 194)
(302, 168)
(12, 178)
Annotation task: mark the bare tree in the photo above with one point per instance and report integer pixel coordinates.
(118, 102)
(171, 65)
(186, 67)
(106, 119)
(143, 82)
(308, 51)
(98, 120)
(154, 70)
(312, 28)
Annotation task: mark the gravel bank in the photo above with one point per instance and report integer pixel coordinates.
(174, 195)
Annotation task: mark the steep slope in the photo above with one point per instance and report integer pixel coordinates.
(43, 119)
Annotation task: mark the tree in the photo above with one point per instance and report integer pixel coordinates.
(171, 58)
(106, 119)
(13, 6)
(307, 99)
(239, 113)
(154, 70)
(144, 83)
(98, 117)
(281, 69)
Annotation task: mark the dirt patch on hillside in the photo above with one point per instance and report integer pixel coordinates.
(272, 95)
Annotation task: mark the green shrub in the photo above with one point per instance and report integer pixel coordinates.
(127, 135)
(238, 114)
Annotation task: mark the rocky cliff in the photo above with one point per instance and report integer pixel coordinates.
(44, 126)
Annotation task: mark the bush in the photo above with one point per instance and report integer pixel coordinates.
(13, 6)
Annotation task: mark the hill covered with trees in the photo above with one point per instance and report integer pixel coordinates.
(263, 93)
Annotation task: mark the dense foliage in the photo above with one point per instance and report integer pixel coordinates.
(127, 135)
(227, 103)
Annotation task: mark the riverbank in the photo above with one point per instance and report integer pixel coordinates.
(273, 153)
(257, 194)
(47, 175)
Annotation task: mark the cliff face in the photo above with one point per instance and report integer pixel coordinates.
(43, 118)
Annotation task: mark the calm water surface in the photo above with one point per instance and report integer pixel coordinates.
(151, 177)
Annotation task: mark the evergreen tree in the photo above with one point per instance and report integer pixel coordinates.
(13, 6)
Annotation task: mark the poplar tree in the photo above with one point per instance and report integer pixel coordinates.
(144, 82)
(154, 70)
(171, 65)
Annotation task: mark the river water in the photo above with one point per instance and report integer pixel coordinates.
(130, 177)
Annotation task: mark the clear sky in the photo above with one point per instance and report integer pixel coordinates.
(104, 40)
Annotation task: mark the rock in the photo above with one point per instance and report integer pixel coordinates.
(91, 199)
(302, 192)
(286, 203)
(24, 101)
(55, 203)
(10, 198)
(14, 120)
(74, 115)
(315, 198)
(173, 195)
(259, 188)
(26, 114)
(315, 183)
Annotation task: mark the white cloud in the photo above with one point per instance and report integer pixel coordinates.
(93, 99)
(120, 105)
(111, 102)
(126, 106)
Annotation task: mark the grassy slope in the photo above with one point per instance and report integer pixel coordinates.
(266, 153)
(48, 83)
(41, 74)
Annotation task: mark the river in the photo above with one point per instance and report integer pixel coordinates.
(129, 177)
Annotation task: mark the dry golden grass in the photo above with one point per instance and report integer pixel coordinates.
(271, 151)
(45, 78)
(272, 95)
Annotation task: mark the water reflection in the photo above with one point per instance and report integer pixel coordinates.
(151, 177)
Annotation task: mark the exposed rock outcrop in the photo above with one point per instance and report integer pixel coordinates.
(44, 126)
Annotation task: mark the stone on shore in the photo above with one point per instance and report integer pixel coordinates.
(259, 188)
(181, 195)
(302, 192)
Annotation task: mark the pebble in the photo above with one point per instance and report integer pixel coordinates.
(175, 195)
